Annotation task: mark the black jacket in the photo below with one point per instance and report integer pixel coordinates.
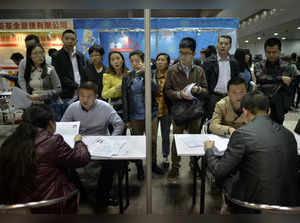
(264, 153)
(92, 75)
(63, 66)
(211, 68)
(127, 96)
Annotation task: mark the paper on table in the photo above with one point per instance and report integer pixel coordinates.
(194, 141)
(68, 130)
(106, 147)
(220, 143)
(19, 98)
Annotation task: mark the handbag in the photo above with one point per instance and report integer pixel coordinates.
(185, 111)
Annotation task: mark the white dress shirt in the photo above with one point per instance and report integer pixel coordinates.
(75, 67)
(224, 75)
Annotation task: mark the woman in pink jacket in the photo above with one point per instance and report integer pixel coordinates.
(34, 163)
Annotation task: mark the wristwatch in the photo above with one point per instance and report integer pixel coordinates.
(178, 94)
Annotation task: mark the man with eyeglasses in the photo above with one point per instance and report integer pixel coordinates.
(179, 76)
(219, 69)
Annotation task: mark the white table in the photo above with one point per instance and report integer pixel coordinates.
(136, 151)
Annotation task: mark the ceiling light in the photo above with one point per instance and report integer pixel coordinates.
(283, 38)
(246, 41)
(298, 27)
(259, 38)
(275, 34)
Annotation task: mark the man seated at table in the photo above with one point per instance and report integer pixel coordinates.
(95, 116)
(227, 116)
(264, 153)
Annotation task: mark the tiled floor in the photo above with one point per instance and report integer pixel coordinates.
(168, 199)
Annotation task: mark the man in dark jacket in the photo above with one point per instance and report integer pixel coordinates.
(219, 69)
(273, 77)
(179, 77)
(69, 65)
(264, 153)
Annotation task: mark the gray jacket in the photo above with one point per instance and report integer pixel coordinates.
(264, 153)
(51, 86)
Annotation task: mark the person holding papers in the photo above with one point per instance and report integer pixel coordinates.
(179, 76)
(40, 79)
(264, 153)
(95, 116)
(34, 163)
(228, 116)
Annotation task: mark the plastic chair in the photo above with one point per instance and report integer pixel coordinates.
(25, 207)
(264, 208)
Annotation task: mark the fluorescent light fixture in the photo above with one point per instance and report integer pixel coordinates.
(259, 38)
(283, 38)
(275, 34)
(246, 41)
(298, 27)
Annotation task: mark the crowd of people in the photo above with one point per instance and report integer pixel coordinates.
(247, 105)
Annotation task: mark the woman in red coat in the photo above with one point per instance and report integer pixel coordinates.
(33, 163)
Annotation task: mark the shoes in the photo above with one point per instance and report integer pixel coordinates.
(140, 172)
(112, 202)
(165, 163)
(173, 174)
(156, 169)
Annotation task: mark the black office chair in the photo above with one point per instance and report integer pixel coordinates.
(26, 207)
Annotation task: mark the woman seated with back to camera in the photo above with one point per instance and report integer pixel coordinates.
(34, 163)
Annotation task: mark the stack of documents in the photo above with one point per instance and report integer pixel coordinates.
(198, 140)
(68, 130)
(106, 147)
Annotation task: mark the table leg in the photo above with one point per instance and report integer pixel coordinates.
(203, 178)
(120, 191)
(127, 185)
(194, 180)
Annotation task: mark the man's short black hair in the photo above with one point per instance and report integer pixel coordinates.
(236, 81)
(294, 56)
(68, 31)
(51, 51)
(31, 37)
(164, 54)
(211, 50)
(255, 101)
(273, 42)
(188, 42)
(139, 53)
(89, 85)
(96, 48)
(226, 37)
(16, 56)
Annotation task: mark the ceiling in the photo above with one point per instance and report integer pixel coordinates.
(83, 13)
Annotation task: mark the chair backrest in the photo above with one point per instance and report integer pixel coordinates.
(25, 207)
(264, 208)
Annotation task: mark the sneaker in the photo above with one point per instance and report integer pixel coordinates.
(156, 169)
(173, 174)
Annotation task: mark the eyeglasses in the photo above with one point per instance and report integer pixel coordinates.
(97, 55)
(185, 53)
(38, 54)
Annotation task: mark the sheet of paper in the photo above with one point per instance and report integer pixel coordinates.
(19, 98)
(194, 141)
(68, 130)
(220, 143)
(188, 90)
(106, 147)
(297, 136)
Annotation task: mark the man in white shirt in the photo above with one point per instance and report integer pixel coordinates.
(219, 70)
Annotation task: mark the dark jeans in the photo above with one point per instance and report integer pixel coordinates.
(165, 124)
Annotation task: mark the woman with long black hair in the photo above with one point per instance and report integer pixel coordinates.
(34, 162)
(40, 80)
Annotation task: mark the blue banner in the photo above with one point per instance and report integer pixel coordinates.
(87, 38)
